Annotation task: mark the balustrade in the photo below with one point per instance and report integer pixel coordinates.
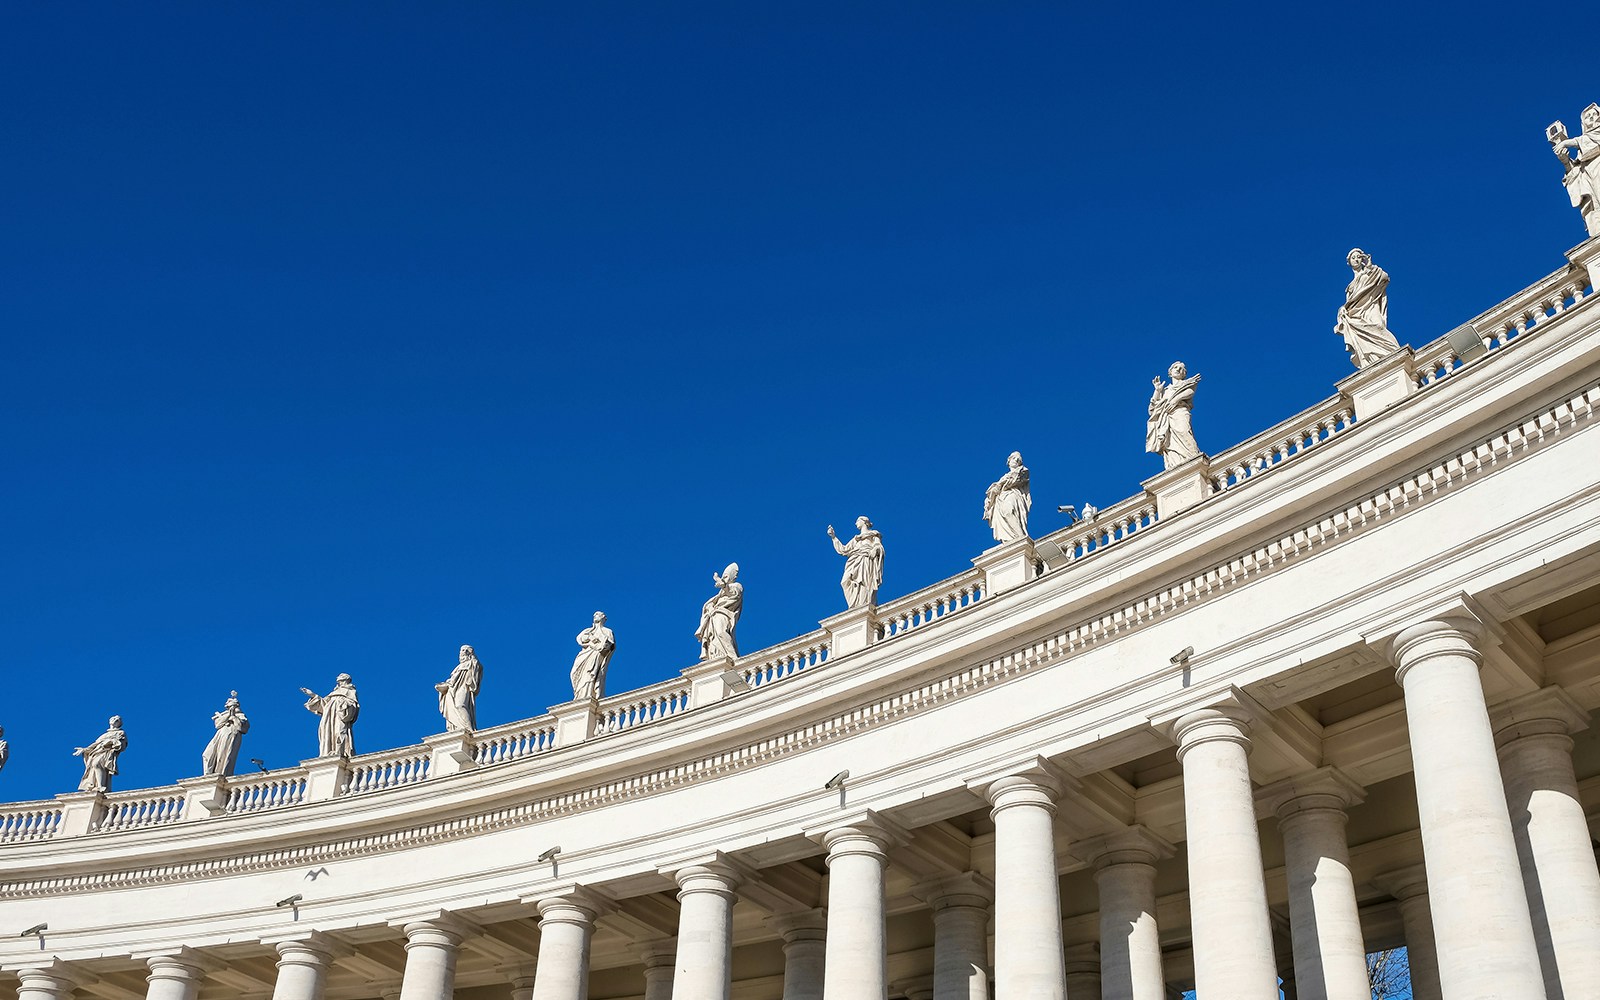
(929, 605)
(390, 769)
(515, 741)
(143, 807)
(632, 709)
(1268, 450)
(765, 666)
(271, 790)
(26, 821)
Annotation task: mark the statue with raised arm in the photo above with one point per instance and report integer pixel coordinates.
(100, 757)
(863, 564)
(1169, 431)
(595, 646)
(458, 693)
(720, 615)
(1008, 500)
(223, 750)
(1582, 165)
(339, 709)
(1363, 320)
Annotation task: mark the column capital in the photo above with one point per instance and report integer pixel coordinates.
(968, 889)
(658, 954)
(572, 904)
(443, 930)
(1403, 883)
(1550, 711)
(1228, 723)
(54, 976)
(1082, 959)
(1441, 626)
(1133, 846)
(1035, 781)
(313, 948)
(182, 964)
(806, 925)
(1326, 788)
(861, 832)
(915, 988)
(714, 877)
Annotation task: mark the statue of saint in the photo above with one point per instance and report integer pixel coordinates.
(1169, 431)
(1007, 502)
(863, 564)
(1582, 165)
(223, 750)
(100, 757)
(458, 694)
(339, 709)
(720, 615)
(595, 646)
(5, 750)
(1364, 318)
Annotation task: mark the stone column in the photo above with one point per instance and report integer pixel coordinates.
(1130, 942)
(302, 968)
(659, 960)
(1083, 972)
(960, 935)
(1027, 901)
(1409, 887)
(856, 962)
(804, 944)
(52, 981)
(566, 924)
(1227, 890)
(1330, 955)
(431, 947)
(522, 988)
(1481, 922)
(1552, 836)
(174, 977)
(705, 931)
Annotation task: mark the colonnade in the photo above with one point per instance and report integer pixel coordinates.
(1507, 905)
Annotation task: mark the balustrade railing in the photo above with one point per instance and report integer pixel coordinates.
(389, 769)
(1509, 320)
(1090, 535)
(142, 807)
(515, 740)
(766, 666)
(632, 709)
(1273, 447)
(928, 605)
(25, 821)
(260, 792)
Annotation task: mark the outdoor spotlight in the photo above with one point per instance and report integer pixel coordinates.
(297, 897)
(1182, 655)
(550, 855)
(837, 781)
(35, 929)
(1466, 342)
(258, 762)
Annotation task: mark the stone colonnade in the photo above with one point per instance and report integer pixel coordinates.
(1507, 905)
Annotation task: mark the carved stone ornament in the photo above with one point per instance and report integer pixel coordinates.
(1580, 158)
(595, 646)
(1169, 430)
(1363, 320)
(339, 709)
(100, 757)
(223, 751)
(458, 693)
(719, 616)
(863, 564)
(1007, 501)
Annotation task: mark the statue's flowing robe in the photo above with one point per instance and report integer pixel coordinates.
(1006, 505)
(100, 760)
(223, 751)
(589, 667)
(1583, 180)
(863, 568)
(458, 702)
(718, 618)
(1169, 432)
(1364, 318)
(339, 709)
(5, 753)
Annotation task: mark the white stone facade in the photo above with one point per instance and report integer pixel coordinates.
(1321, 693)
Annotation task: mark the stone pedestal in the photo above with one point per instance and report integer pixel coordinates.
(1027, 905)
(804, 946)
(1381, 384)
(1130, 941)
(1587, 256)
(714, 680)
(1007, 566)
(203, 797)
(575, 721)
(326, 777)
(1181, 487)
(81, 812)
(451, 753)
(852, 631)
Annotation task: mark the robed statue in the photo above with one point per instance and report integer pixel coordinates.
(223, 751)
(1007, 501)
(458, 693)
(1582, 165)
(720, 615)
(5, 750)
(1363, 320)
(863, 564)
(100, 757)
(595, 646)
(1169, 430)
(339, 709)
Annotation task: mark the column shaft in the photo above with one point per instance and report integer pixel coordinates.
(804, 948)
(961, 947)
(856, 962)
(1027, 904)
(565, 928)
(302, 970)
(660, 961)
(1330, 956)
(172, 977)
(1130, 943)
(431, 948)
(705, 932)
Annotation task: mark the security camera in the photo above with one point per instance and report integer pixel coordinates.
(297, 897)
(35, 929)
(836, 781)
(1182, 655)
(550, 855)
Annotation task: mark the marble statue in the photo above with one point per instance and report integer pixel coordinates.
(1582, 165)
(720, 615)
(1364, 318)
(595, 646)
(458, 693)
(339, 709)
(1008, 500)
(863, 564)
(223, 750)
(1169, 432)
(5, 750)
(100, 757)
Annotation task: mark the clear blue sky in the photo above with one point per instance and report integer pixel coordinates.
(337, 336)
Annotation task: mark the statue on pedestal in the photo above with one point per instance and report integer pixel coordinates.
(863, 564)
(1582, 165)
(223, 750)
(1363, 320)
(100, 757)
(458, 693)
(339, 709)
(595, 646)
(1007, 501)
(719, 616)
(1169, 430)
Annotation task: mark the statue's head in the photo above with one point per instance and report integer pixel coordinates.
(863, 524)
(599, 617)
(1358, 258)
(1591, 118)
(731, 573)
(233, 700)
(343, 680)
(1178, 370)
(467, 653)
(116, 722)
(1014, 460)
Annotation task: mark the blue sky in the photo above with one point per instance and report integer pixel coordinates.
(336, 337)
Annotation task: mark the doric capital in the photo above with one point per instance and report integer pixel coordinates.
(1036, 781)
(807, 925)
(968, 889)
(862, 832)
(1222, 723)
(1133, 846)
(716, 877)
(53, 978)
(658, 955)
(1544, 713)
(182, 964)
(312, 948)
(915, 988)
(438, 931)
(1082, 959)
(1325, 789)
(569, 904)
(1403, 883)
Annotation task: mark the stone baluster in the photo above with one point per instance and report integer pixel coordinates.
(1481, 920)
(961, 906)
(50, 980)
(705, 931)
(175, 976)
(1330, 960)
(855, 966)
(1130, 941)
(659, 958)
(1227, 889)
(1028, 960)
(431, 949)
(1552, 836)
(566, 925)
(303, 967)
(1409, 887)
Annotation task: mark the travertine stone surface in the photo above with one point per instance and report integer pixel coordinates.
(856, 963)
(719, 616)
(1130, 940)
(302, 968)
(704, 966)
(431, 950)
(1409, 887)
(804, 952)
(566, 927)
(174, 977)
(1027, 906)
